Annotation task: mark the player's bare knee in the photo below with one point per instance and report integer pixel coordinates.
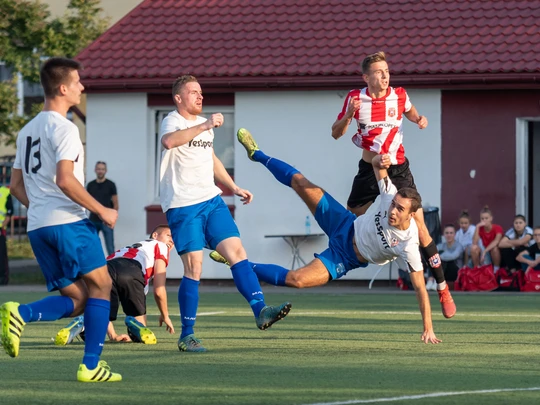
(193, 271)
(235, 254)
(78, 306)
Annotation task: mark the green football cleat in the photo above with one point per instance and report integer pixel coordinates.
(215, 256)
(73, 329)
(271, 314)
(102, 373)
(190, 344)
(139, 333)
(247, 141)
(12, 327)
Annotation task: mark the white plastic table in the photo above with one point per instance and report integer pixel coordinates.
(295, 240)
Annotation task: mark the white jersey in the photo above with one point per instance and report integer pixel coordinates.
(41, 144)
(380, 121)
(187, 171)
(465, 238)
(146, 253)
(511, 234)
(380, 243)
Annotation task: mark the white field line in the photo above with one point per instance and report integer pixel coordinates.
(422, 396)
(343, 313)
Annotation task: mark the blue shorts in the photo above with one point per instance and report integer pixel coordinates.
(66, 252)
(201, 225)
(338, 224)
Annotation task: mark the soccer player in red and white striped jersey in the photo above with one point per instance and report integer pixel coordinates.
(131, 268)
(379, 110)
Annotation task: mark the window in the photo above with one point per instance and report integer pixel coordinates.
(223, 139)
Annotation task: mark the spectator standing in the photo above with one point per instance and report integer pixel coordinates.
(103, 190)
(6, 210)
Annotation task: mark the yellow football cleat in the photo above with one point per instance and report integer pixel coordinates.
(73, 329)
(215, 256)
(12, 327)
(102, 373)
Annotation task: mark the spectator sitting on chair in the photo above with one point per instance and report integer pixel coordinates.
(451, 253)
(530, 256)
(485, 247)
(514, 241)
(104, 191)
(465, 235)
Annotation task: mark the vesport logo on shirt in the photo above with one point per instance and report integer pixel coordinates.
(380, 230)
(201, 144)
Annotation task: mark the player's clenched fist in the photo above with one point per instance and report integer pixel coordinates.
(108, 216)
(215, 120)
(422, 122)
(382, 161)
(353, 106)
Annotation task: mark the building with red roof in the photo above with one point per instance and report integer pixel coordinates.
(282, 69)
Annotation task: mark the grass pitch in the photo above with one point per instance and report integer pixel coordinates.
(333, 348)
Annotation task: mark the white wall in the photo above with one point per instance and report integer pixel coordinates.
(292, 126)
(118, 134)
(296, 127)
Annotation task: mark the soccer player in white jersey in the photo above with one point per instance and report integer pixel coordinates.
(48, 178)
(386, 232)
(379, 110)
(131, 268)
(197, 214)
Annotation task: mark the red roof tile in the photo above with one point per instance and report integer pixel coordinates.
(314, 43)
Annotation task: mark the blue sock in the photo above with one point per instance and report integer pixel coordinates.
(96, 320)
(47, 309)
(270, 273)
(282, 171)
(247, 283)
(188, 299)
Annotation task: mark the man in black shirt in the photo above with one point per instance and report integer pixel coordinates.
(104, 191)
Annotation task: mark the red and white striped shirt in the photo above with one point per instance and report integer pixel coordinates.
(380, 121)
(146, 253)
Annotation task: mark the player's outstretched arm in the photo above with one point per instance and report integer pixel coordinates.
(160, 294)
(380, 164)
(182, 136)
(419, 284)
(221, 176)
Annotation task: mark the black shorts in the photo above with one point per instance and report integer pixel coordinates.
(127, 287)
(365, 188)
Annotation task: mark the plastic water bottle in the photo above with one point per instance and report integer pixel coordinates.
(308, 225)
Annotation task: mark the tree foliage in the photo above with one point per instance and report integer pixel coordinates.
(28, 35)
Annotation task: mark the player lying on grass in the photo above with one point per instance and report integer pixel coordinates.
(131, 268)
(386, 232)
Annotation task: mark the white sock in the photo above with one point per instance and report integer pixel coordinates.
(441, 286)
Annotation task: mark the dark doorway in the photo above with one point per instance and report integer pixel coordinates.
(534, 173)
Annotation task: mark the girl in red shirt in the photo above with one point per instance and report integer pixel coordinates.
(486, 240)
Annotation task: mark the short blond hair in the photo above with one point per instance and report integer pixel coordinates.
(371, 59)
(181, 82)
